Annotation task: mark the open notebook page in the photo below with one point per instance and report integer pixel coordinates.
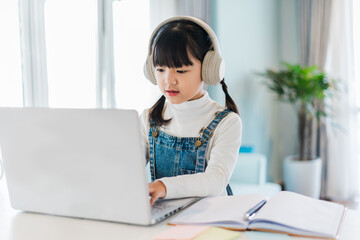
(301, 212)
(226, 210)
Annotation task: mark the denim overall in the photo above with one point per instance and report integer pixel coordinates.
(172, 156)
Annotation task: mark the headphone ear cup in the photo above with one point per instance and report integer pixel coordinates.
(149, 70)
(213, 68)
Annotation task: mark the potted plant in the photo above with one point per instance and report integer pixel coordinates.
(305, 88)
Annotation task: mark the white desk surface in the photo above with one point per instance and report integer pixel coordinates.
(18, 225)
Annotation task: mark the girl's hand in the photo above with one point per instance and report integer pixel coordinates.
(156, 190)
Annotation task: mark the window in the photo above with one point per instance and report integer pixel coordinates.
(10, 57)
(131, 29)
(64, 54)
(71, 43)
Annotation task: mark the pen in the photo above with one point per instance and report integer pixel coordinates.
(249, 214)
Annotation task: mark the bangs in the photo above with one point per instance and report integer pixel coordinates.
(171, 50)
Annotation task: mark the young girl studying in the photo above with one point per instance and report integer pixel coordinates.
(192, 142)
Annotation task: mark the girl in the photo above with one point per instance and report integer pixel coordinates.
(192, 141)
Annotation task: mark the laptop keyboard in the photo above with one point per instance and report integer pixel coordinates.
(161, 208)
(164, 208)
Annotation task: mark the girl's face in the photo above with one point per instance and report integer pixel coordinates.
(180, 84)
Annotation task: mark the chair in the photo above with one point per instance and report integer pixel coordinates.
(249, 176)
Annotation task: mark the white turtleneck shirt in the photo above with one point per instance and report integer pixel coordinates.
(187, 119)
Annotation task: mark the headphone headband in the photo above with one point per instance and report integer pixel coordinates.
(213, 66)
(198, 21)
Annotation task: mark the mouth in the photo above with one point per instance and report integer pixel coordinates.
(172, 93)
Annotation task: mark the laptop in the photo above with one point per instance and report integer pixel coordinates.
(84, 163)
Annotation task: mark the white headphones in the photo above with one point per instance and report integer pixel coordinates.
(213, 66)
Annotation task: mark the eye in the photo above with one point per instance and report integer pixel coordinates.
(181, 71)
(159, 70)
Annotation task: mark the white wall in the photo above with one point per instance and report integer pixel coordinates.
(256, 35)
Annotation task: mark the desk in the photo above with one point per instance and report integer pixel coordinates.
(18, 225)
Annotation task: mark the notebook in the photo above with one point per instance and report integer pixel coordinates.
(285, 212)
(84, 163)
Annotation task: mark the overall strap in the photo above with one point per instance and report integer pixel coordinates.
(153, 133)
(218, 117)
(205, 134)
(203, 141)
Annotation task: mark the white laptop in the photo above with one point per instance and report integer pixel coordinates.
(85, 163)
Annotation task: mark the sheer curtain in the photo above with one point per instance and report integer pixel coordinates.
(327, 41)
(314, 38)
(199, 9)
(314, 29)
(163, 9)
(343, 155)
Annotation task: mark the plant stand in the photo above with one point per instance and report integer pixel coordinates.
(303, 177)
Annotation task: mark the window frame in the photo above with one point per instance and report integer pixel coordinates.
(33, 53)
(105, 87)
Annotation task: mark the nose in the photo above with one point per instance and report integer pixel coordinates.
(170, 77)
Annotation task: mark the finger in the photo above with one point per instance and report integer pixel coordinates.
(151, 189)
(153, 199)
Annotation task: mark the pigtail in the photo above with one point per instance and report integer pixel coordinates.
(156, 112)
(229, 102)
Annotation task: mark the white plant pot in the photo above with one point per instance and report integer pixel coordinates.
(303, 177)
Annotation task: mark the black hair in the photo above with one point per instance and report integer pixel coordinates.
(229, 102)
(174, 42)
(171, 46)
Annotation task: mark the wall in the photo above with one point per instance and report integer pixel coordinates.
(256, 35)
